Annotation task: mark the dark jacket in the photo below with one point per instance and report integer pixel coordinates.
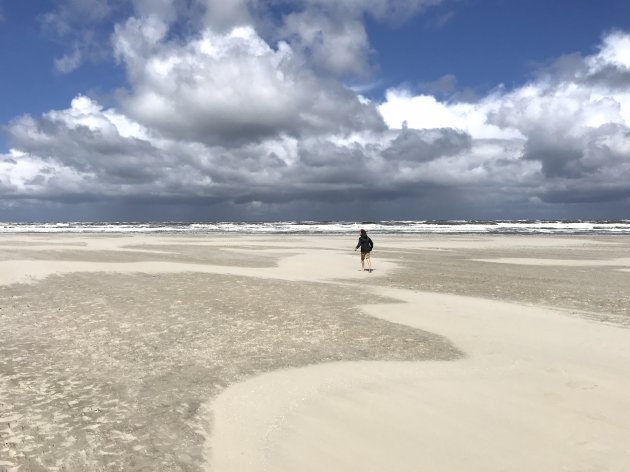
(366, 244)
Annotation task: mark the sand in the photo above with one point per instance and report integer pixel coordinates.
(239, 353)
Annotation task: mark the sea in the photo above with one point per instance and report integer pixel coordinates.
(592, 227)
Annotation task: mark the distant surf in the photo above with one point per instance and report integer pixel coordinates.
(334, 227)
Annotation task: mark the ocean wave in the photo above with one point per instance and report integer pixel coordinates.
(333, 227)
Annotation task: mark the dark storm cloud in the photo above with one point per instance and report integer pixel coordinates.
(588, 193)
(427, 145)
(109, 156)
(558, 159)
(326, 154)
(573, 156)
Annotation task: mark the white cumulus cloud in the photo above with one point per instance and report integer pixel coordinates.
(227, 88)
(573, 121)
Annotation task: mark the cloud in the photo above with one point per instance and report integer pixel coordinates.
(252, 123)
(614, 52)
(428, 112)
(83, 28)
(427, 144)
(337, 46)
(573, 120)
(221, 16)
(166, 10)
(442, 86)
(446, 88)
(69, 13)
(229, 84)
(77, 23)
(69, 62)
(102, 152)
(396, 10)
(332, 35)
(229, 89)
(442, 20)
(95, 145)
(329, 34)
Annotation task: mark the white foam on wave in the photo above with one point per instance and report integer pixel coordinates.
(335, 227)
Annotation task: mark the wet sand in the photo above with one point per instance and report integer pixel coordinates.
(236, 353)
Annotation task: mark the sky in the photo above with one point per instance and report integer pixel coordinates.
(205, 110)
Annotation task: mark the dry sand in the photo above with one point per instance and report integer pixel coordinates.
(246, 353)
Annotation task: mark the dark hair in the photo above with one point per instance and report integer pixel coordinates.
(363, 232)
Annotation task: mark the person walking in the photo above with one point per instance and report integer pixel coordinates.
(366, 245)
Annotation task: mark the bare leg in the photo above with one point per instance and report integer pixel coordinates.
(369, 261)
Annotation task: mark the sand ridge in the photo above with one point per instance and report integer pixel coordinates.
(523, 398)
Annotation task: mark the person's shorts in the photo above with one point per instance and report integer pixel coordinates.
(365, 255)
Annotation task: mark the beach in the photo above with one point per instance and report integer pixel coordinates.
(241, 352)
